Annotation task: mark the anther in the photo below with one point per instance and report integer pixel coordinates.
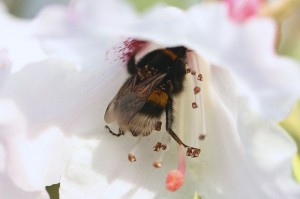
(157, 164)
(159, 146)
(131, 157)
(193, 152)
(196, 153)
(193, 72)
(201, 137)
(188, 70)
(165, 139)
(158, 126)
(194, 105)
(200, 77)
(197, 89)
(188, 152)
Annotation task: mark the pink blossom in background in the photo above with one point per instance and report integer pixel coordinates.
(241, 10)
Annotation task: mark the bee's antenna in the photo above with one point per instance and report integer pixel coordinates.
(193, 68)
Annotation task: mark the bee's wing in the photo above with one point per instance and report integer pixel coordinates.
(130, 99)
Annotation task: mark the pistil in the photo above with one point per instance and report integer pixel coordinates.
(175, 178)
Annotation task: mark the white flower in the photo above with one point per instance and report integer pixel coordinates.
(245, 155)
(18, 43)
(29, 160)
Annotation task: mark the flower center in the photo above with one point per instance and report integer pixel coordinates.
(175, 178)
(148, 94)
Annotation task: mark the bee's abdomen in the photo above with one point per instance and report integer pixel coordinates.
(142, 124)
(159, 98)
(155, 104)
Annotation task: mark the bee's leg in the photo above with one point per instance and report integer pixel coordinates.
(191, 151)
(157, 126)
(115, 134)
(131, 68)
(169, 122)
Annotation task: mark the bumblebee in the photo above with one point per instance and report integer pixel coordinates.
(140, 103)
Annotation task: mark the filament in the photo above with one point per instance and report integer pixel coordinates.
(199, 96)
(165, 141)
(131, 155)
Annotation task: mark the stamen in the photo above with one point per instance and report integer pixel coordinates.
(131, 156)
(203, 122)
(194, 105)
(159, 146)
(165, 139)
(201, 137)
(193, 73)
(175, 177)
(157, 164)
(197, 90)
(193, 152)
(195, 66)
(200, 77)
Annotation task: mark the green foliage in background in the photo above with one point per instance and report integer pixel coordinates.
(292, 125)
(296, 164)
(289, 32)
(196, 196)
(142, 5)
(53, 191)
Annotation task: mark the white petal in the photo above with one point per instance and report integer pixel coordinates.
(10, 124)
(32, 162)
(230, 164)
(2, 158)
(58, 94)
(100, 169)
(246, 49)
(35, 163)
(244, 155)
(262, 73)
(250, 152)
(18, 41)
(63, 34)
(48, 101)
(8, 190)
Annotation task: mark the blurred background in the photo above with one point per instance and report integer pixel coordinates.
(285, 12)
(29, 8)
(287, 16)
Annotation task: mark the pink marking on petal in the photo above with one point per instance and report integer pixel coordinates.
(241, 10)
(126, 49)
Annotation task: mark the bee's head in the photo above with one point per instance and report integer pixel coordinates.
(180, 51)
